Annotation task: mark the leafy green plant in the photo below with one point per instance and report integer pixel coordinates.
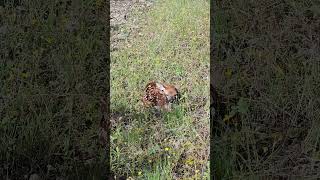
(242, 107)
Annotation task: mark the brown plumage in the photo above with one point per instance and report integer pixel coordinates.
(159, 95)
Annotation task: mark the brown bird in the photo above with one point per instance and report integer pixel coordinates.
(160, 95)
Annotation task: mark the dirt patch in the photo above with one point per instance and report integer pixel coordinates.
(122, 16)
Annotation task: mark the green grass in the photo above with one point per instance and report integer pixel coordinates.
(172, 46)
(51, 79)
(265, 61)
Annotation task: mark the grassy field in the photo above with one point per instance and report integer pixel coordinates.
(53, 72)
(266, 65)
(172, 46)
